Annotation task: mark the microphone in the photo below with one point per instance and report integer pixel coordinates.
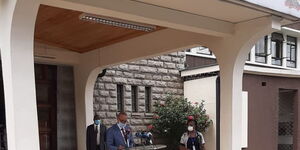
(149, 134)
(145, 135)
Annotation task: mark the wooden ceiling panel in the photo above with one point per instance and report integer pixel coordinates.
(63, 28)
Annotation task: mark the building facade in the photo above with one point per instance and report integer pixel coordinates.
(270, 91)
(134, 87)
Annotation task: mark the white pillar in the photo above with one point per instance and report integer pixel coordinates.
(231, 54)
(252, 54)
(298, 54)
(284, 52)
(269, 51)
(17, 23)
(85, 75)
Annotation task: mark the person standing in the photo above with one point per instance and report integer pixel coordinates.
(96, 135)
(119, 136)
(192, 139)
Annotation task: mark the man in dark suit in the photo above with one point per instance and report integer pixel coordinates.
(96, 135)
(119, 136)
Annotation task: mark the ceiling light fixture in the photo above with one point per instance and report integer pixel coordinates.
(116, 22)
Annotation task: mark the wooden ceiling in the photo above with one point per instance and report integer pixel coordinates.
(63, 28)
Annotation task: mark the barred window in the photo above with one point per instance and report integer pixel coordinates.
(148, 99)
(134, 98)
(120, 97)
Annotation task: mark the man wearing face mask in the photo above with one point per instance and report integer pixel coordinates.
(96, 135)
(192, 139)
(119, 136)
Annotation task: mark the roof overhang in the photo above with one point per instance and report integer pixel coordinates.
(249, 69)
(285, 8)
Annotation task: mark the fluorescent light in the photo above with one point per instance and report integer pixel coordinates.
(116, 22)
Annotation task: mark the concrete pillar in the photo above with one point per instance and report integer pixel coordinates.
(252, 55)
(269, 51)
(298, 55)
(85, 74)
(284, 52)
(231, 54)
(17, 23)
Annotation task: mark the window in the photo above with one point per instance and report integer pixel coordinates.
(134, 96)
(148, 99)
(291, 52)
(201, 50)
(276, 48)
(120, 97)
(261, 52)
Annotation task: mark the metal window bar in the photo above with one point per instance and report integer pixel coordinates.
(148, 99)
(134, 96)
(120, 98)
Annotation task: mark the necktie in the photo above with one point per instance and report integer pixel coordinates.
(96, 129)
(125, 135)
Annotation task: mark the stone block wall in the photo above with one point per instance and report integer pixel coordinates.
(161, 73)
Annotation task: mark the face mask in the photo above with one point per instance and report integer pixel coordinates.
(97, 122)
(190, 128)
(121, 125)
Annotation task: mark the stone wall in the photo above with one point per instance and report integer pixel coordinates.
(161, 73)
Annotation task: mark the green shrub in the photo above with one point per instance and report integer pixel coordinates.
(170, 118)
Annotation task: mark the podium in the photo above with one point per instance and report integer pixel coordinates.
(148, 147)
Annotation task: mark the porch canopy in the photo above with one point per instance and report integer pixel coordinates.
(94, 34)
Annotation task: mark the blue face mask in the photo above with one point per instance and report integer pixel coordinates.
(97, 122)
(121, 125)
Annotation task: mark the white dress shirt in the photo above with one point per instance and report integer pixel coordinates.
(98, 134)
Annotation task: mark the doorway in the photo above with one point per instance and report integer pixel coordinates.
(287, 98)
(46, 95)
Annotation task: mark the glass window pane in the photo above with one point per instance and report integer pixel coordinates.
(261, 50)
(288, 52)
(260, 46)
(273, 48)
(260, 59)
(293, 54)
(291, 40)
(201, 50)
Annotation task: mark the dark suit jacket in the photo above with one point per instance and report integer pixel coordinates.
(115, 138)
(91, 136)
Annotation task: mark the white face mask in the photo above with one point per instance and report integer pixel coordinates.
(190, 128)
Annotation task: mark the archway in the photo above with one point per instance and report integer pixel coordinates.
(18, 19)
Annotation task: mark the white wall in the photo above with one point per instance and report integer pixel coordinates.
(204, 89)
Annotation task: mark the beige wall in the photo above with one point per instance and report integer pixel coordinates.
(204, 89)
